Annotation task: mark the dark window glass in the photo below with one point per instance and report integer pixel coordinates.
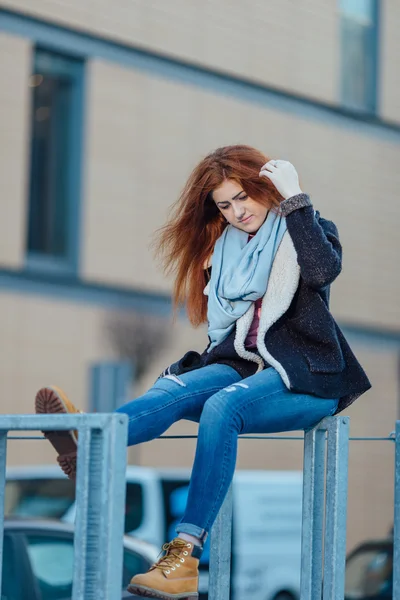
(11, 582)
(359, 49)
(369, 573)
(54, 497)
(133, 564)
(175, 492)
(133, 507)
(39, 497)
(52, 562)
(55, 120)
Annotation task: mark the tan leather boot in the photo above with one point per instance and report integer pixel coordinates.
(52, 400)
(175, 576)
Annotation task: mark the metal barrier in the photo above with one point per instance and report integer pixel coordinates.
(333, 539)
(396, 529)
(336, 431)
(101, 494)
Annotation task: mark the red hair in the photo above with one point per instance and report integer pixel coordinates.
(187, 240)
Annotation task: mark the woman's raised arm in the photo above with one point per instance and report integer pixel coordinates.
(316, 240)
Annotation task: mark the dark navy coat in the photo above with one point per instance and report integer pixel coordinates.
(297, 333)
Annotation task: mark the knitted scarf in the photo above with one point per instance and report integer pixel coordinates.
(240, 273)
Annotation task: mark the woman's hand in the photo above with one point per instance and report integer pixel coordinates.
(284, 177)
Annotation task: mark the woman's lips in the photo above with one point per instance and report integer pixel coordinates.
(247, 219)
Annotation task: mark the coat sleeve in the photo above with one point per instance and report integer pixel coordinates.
(189, 362)
(316, 240)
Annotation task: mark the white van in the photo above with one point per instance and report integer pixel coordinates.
(266, 535)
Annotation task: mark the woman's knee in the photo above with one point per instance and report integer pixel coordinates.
(220, 410)
(154, 399)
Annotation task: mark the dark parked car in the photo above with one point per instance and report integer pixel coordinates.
(369, 571)
(38, 560)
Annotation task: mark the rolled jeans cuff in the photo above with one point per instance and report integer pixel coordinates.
(192, 530)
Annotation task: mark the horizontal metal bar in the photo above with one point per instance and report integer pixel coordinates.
(25, 437)
(55, 422)
(242, 437)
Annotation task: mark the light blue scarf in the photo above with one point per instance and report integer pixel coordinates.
(240, 273)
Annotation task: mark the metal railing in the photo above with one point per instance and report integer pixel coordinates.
(100, 497)
(396, 529)
(318, 474)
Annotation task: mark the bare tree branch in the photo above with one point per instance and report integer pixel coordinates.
(138, 337)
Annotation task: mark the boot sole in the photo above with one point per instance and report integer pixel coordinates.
(49, 400)
(141, 590)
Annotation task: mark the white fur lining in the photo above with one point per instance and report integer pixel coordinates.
(282, 285)
(242, 329)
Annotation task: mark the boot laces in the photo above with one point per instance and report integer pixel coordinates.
(173, 551)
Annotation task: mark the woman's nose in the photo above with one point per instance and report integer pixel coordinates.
(238, 211)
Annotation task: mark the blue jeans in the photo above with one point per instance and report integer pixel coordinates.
(224, 405)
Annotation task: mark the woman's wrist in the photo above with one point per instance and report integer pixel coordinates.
(293, 192)
(295, 202)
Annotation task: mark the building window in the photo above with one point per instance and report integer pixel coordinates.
(56, 140)
(359, 54)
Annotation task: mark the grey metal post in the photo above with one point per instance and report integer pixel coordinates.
(100, 494)
(220, 552)
(313, 514)
(3, 459)
(396, 530)
(113, 512)
(336, 507)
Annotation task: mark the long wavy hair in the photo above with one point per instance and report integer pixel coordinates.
(186, 241)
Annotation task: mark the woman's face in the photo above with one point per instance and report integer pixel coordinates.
(238, 209)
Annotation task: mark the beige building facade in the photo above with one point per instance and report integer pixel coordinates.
(161, 85)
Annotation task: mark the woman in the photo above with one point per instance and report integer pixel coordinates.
(254, 259)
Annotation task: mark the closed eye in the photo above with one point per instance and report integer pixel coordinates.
(225, 206)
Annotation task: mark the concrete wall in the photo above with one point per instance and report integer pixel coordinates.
(146, 134)
(245, 39)
(389, 53)
(47, 341)
(15, 67)
(295, 48)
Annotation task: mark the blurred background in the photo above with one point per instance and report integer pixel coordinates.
(105, 107)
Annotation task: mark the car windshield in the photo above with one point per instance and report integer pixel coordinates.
(52, 497)
(39, 497)
(51, 557)
(369, 573)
